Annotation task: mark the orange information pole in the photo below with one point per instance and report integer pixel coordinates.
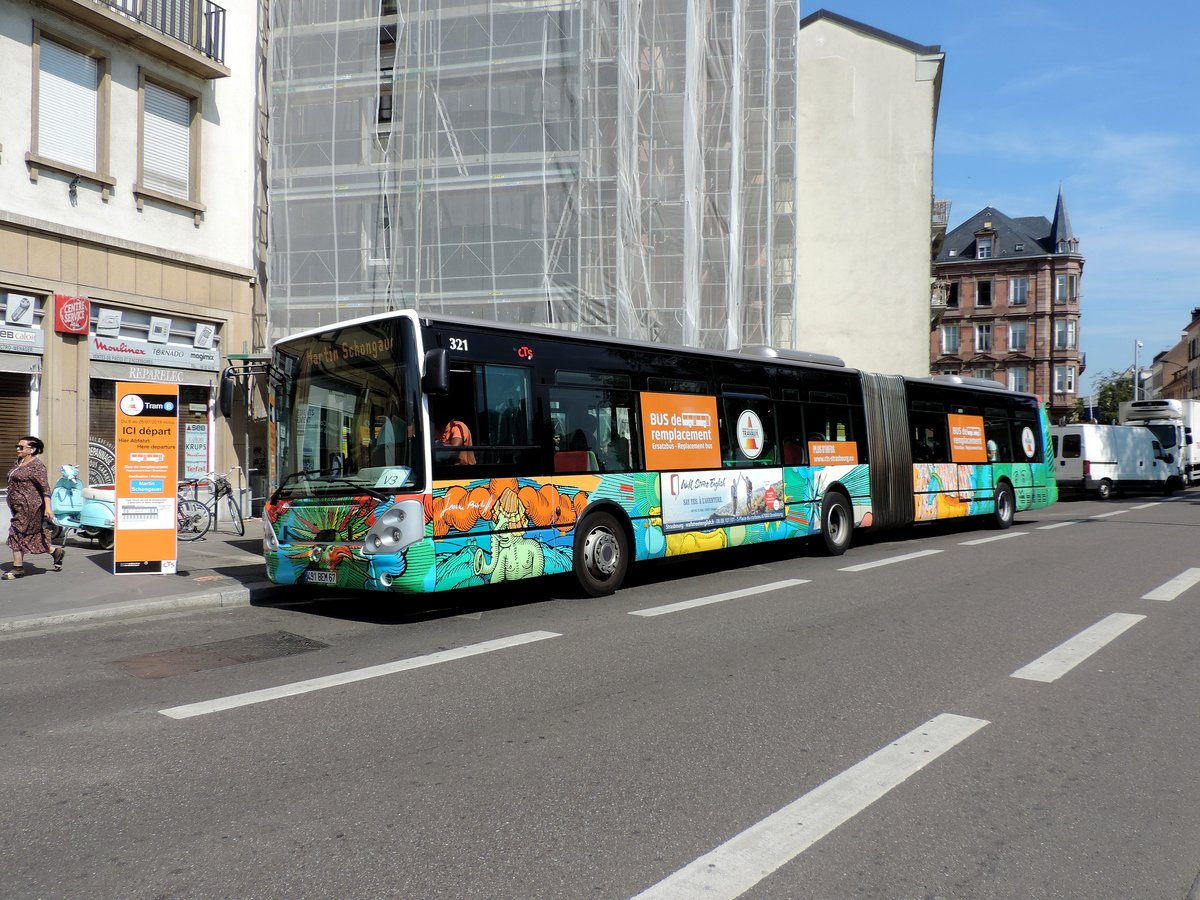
(147, 478)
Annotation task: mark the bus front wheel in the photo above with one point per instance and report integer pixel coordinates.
(1006, 507)
(1104, 490)
(837, 523)
(601, 554)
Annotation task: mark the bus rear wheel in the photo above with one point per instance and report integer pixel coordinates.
(601, 556)
(1006, 507)
(837, 523)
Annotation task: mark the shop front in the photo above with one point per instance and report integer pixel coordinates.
(22, 346)
(135, 345)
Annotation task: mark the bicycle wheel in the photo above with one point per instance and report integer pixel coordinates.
(235, 514)
(192, 520)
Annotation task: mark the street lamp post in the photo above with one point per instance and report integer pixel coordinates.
(1137, 346)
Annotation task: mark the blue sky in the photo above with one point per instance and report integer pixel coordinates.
(1100, 97)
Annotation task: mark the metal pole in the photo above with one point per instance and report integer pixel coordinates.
(1137, 345)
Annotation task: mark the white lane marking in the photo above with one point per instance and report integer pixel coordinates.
(994, 537)
(1061, 524)
(747, 858)
(1115, 512)
(862, 567)
(1147, 505)
(1175, 586)
(1071, 652)
(718, 598)
(316, 684)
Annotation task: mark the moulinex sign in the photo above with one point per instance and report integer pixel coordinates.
(130, 350)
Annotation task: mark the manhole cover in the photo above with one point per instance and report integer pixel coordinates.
(234, 652)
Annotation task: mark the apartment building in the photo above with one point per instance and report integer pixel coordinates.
(127, 226)
(1011, 288)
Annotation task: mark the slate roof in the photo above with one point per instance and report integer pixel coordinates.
(1060, 230)
(1034, 235)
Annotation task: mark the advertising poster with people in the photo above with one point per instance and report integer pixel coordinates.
(695, 501)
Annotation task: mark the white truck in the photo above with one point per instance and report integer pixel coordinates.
(1176, 424)
(1111, 459)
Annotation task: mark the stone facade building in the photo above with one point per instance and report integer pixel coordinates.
(1011, 291)
(127, 225)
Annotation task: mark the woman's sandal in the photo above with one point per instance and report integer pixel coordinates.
(57, 556)
(14, 573)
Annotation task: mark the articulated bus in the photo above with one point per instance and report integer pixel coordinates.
(581, 454)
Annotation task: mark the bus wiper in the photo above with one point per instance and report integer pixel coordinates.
(328, 475)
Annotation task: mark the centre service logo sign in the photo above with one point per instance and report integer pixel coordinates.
(71, 314)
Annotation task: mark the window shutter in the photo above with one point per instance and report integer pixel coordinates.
(166, 154)
(67, 86)
(14, 416)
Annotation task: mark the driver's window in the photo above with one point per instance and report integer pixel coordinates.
(484, 422)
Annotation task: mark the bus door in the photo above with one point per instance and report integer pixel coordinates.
(969, 451)
(935, 475)
(1027, 455)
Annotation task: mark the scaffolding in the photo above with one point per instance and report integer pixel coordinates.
(610, 166)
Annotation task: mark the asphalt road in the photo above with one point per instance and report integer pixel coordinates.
(1011, 718)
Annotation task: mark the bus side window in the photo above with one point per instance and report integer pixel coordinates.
(790, 419)
(1018, 427)
(928, 435)
(492, 403)
(753, 443)
(997, 434)
(834, 422)
(595, 429)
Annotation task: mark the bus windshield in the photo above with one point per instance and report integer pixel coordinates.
(347, 412)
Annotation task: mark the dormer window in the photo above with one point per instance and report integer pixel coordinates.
(1019, 246)
(983, 247)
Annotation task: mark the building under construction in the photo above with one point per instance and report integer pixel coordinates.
(626, 168)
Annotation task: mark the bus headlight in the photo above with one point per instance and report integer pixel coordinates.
(270, 541)
(400, 525)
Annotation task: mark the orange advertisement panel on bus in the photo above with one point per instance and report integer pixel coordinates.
(966, 439)
(832, 453)
(680, 431)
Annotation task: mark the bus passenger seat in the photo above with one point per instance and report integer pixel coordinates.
(567, 462)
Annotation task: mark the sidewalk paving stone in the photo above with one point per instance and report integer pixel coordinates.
(222, 569)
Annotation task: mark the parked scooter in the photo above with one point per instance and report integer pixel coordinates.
(79, 510)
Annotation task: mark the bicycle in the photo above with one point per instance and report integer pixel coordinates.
(194, 517)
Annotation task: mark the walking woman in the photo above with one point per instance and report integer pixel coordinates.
(29, 504)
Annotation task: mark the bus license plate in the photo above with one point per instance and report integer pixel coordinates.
(320, 577)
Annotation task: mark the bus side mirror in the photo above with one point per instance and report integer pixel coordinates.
(225, 394)
(436, 379)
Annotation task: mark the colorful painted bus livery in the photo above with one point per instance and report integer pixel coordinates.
(586, 454)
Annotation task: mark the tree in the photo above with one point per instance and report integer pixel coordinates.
(1110, 390)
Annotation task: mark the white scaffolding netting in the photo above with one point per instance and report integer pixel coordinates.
(609, 166)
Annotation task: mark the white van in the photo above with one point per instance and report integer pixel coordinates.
(1110, 458)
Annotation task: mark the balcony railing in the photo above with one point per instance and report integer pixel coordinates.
(198, 23)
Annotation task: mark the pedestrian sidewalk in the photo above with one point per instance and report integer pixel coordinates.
(221, 569)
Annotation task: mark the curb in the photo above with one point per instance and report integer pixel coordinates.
(243, 595)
